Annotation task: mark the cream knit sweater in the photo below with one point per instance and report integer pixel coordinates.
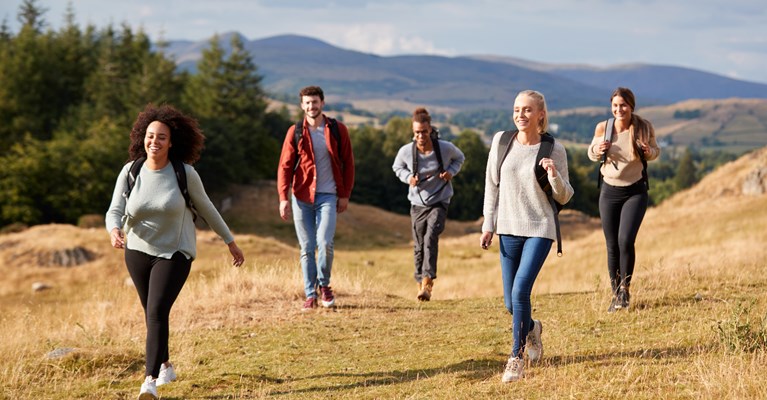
(519, 206)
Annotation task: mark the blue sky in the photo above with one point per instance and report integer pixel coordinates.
(723, 37)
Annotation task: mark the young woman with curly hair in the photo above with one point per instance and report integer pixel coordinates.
(154, 225)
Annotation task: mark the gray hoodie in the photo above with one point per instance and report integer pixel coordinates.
(431, 189)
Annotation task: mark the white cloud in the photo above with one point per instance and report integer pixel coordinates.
(383, 39)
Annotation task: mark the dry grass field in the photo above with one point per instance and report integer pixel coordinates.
(696, 328)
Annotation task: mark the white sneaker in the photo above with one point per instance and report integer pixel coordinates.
(148, 389)
(167, 375)
(515, 370)
(534, 345)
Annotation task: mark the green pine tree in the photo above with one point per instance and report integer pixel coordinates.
(685, 171)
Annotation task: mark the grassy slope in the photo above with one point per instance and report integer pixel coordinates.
(238, 333)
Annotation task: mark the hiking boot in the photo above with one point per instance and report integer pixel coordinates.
(624, 297)
(148, 389)
(326, 294)
(427, 284)
(167, 375)
(309, 304)
(613, 303)
(420, 291)
(515, 370)
(534, 345)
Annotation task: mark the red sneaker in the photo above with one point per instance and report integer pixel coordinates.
(309, 304)
(328, 300)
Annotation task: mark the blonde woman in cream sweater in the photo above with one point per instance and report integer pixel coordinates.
(623, 197)
(518, 210)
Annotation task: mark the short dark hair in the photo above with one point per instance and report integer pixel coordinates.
(311, 91)
(185, 133)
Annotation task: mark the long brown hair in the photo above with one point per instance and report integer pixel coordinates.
(641, 125)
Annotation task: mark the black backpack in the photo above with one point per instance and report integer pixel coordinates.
(178, 168)
(544, 151)
(438, 153)
(298, 132)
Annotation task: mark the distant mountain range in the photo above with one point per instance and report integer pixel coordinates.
(289, 62)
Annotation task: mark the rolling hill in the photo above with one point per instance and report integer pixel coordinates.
(289, 62)
(238, 332)
(658, 84)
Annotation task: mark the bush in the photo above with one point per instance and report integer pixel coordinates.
(15, 227)
(91, 221)
(742, 332)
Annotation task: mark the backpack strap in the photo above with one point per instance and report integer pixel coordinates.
(298, 133)
(504, 146)
(544, 151)
(179, 171)
(609, 129)
(437, 152)
(541, 176)
(645, 177)
(135, 169)
(333, 125)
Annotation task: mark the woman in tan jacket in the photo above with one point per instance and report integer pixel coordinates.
(623, 198)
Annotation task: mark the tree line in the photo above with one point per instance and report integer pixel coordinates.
(69, 97)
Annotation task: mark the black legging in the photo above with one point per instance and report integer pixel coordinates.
(158, 282)
(622, 210)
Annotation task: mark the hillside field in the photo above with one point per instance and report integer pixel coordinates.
(695, 330)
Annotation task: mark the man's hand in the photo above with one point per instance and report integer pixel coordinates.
(414, 180)
(342, 204)
(284, 210)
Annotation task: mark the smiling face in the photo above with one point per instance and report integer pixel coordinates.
(312, 106)
(422, 134)
(621, 109)
(528, 116)
(157, 141)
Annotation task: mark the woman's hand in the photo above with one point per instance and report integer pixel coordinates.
(117, 238)
(237, 257)
(486, 240)
(645, 148)
(603, 147)
(548, 165)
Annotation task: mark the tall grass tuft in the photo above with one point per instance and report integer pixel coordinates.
(742, 331)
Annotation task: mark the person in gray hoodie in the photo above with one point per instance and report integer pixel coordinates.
(428, 165)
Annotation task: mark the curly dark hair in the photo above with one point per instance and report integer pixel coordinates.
(185, 133)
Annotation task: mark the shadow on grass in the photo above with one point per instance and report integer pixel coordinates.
(664, 353)
(470, 370)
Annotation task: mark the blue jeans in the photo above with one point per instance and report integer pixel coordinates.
(521, 260)
(315, 228)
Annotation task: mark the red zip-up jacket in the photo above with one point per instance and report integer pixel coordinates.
(304, 179)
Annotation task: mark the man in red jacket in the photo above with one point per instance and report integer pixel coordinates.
(317, 163)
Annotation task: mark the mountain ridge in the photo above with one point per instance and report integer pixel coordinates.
(289, 62)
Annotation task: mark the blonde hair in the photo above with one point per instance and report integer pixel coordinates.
(543, 124)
